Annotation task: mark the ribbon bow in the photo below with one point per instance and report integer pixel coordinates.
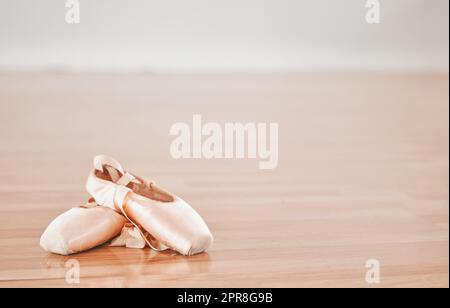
(130, 237)
(114, 195)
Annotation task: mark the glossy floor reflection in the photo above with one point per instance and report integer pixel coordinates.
(362, 174)
(125, 267)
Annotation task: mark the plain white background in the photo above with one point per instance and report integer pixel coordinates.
(225, 35)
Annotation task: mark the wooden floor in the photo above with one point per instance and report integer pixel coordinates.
(363, 174)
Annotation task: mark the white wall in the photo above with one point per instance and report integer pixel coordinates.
(225, 35)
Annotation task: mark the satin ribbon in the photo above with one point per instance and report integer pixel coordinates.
(130, 237)
(114, 196)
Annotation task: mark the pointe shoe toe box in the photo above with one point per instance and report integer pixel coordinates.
(191, 235)
(53, 242)
(201, 243)
(81, 229)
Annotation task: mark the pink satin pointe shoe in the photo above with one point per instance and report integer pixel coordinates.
(163, 219)
(83, 228)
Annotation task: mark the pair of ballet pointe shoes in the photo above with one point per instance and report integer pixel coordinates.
(129, 211)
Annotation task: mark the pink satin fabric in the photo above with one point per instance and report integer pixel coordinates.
(128, 211)
(81, 229)
(165, 223)
(175, 225)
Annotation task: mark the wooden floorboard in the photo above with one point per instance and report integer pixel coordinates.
(363, 174)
